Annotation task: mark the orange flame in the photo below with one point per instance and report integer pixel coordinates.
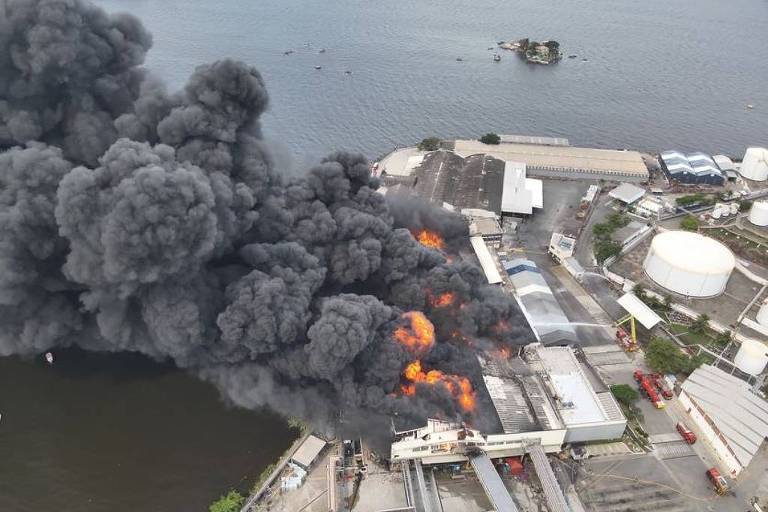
(419, 336)
(459, 387)
(430, 239)
(442, 300)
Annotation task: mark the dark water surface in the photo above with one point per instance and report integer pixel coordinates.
(120, 433)
(660, 73)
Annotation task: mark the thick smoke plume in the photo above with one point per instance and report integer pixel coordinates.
(135, 219)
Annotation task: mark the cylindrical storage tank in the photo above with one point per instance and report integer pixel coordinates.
(717, 213)
(755, 164)
(762, 315)
(725, 211)
(734, 208)
(689, 263)
(752, 357)
(758, 214)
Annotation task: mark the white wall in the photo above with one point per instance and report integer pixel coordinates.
(595, 432)
(720, 448)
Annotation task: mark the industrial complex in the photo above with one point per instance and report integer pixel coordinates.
(634, 272)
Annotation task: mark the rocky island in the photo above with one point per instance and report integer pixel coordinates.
(544, 52)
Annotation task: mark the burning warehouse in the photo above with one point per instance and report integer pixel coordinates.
(547, 396)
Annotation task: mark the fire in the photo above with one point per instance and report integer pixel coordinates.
(459, 387)
(442, 300)
(430, 239)
(419, 336)
(504, 352)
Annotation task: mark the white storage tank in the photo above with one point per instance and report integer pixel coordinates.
(755, 164)
(717, 213)
(758, 214)
(689, 263)
(752, 357)
(734, 208)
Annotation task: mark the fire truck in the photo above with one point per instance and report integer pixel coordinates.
(648, 389)
(661, 386)
(687, 434)
(719, 483)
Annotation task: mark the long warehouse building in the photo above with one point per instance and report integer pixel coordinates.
(563, 161)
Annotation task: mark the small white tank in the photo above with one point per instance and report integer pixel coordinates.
(752, 357)
(734, 208)
(725, 211)
(758, 214)
(717, 213)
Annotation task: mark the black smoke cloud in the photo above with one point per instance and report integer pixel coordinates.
(134, 219)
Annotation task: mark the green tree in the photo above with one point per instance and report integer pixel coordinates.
(490, 138)
(230, 502)
(745, 205)
(699, 325)
(724, 338)
(605, 249)
(639, 290)
(625, 394)
(689, 223)
(618, 220)
(665, 357)
(602, 230)
(429, 144)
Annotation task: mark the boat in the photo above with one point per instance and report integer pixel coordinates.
(572, 56)
(287, 52)
(322, 50)
(347, 72)
(496, 57)
(49, 357)
(459, 59)
(318, 67)
(750, 106)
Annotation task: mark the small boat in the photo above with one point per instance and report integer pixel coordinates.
(459, 59)
(318, 67)
(49, 357)
(750, 106)
(496, 57)
(347, 72)
(287, 52)
(572, 56)
(322, 50)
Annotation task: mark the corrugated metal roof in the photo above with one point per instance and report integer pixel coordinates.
(308, 451)
(740, 415)
(627, 193)
(639, 310)
(486, 260)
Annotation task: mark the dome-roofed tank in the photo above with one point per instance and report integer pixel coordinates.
(755, 164)
(752, 357)
(689, 263)
(758, 214)
(762, 314)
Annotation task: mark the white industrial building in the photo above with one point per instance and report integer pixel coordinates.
(538, 304)
(755, 164)
(758, 214)
(689, 264)
(732, 419)
(520, 194)
(487, 262)
(752, 356)
(627, 193)
(543, 398)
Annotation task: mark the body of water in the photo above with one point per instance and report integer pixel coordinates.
(659, 74)
(119, 433)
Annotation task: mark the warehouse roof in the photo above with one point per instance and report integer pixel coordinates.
(693, 163)
(606, 161)
(638, 309)
(486, 260)
(739, 415)
(627, 193)
(308, 451)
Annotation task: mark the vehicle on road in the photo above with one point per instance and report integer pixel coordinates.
(687, 433)
(719, 483)
(648, 389)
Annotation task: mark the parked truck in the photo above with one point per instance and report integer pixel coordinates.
(687, 433)
(661, 386)
(719, 483)
(648, 389)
